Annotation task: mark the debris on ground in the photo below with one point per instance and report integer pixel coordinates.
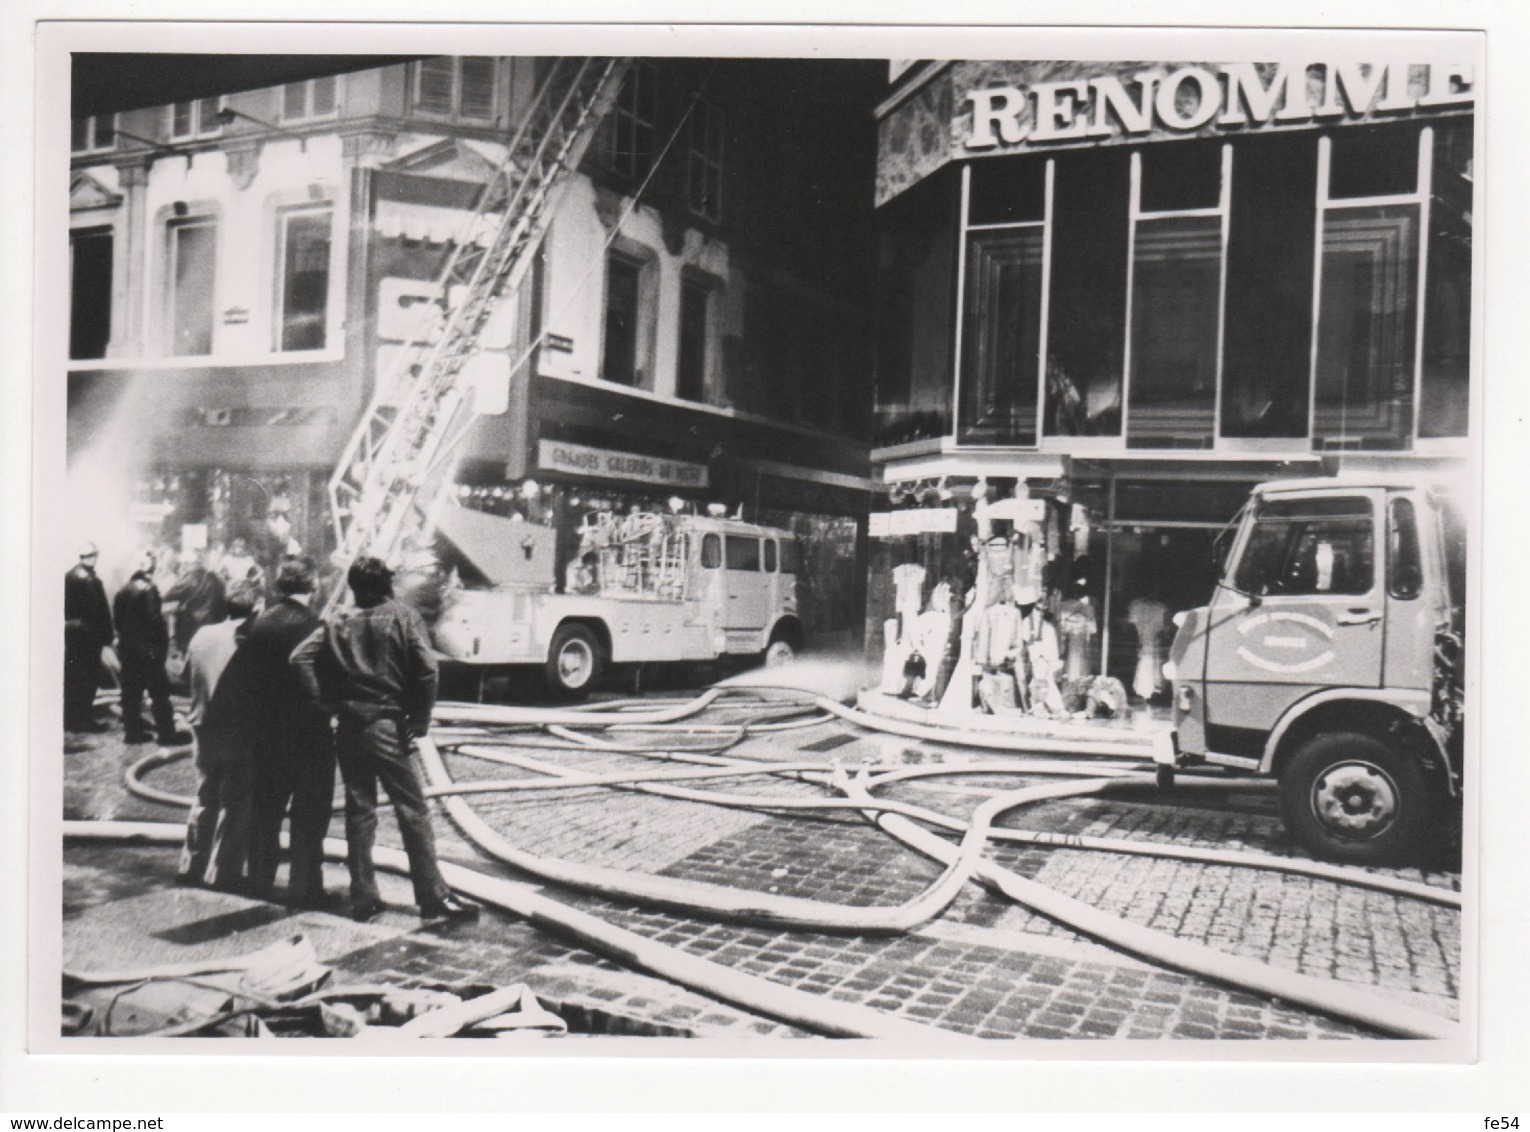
(279, 991)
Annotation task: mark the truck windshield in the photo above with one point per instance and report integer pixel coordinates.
(1309, 547)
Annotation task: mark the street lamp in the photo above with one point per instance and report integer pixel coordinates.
(227, 115)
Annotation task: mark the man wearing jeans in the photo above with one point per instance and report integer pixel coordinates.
(374, 669)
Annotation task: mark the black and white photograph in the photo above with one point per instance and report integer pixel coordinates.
(758, 552)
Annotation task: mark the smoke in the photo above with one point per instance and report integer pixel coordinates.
(107, 459)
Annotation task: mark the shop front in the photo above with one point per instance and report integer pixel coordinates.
(1113, 298)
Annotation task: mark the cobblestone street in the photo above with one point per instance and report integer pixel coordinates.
(988, 967)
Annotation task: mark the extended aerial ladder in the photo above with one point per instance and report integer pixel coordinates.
(396, 466)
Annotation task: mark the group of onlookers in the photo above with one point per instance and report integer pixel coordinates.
(277, 698)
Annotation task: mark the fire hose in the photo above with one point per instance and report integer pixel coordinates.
(962, 861)
(800, 1008)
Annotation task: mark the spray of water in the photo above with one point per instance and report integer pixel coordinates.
(839, 675)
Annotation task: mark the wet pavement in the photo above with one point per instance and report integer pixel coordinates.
(987, 967)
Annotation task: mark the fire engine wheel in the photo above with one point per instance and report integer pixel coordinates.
(1349, 797)
(573, 661)
(780, 651)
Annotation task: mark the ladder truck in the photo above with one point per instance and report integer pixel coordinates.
(398, 465)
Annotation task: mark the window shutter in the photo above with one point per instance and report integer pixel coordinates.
(207, 116)
(323, 97)
(477, 87)
(295, 101)
(436, 82)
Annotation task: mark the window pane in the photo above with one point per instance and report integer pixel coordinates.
(711, 552)
(1366, 319)
(704, 164)
(478, 87)
(690, 381)
(916, 286)
(1374, 162)
(632, 125)
(79, 135)
(305, 281)
(791, 558)
(1405, 563)
(90, 293)
(295, 101)
(770, 556)
(1448, 290)
(1087, 333)
(180, 120)
(323, 94)
(619, 361)
(1267, 344)
(1007, 190)
(193, 255)
(1001, 346)
(1182, 176)
(743, 552)
(1309, 555)
(1176, 285)
(437, 78)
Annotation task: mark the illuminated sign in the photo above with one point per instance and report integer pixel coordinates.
(559, 456)
(1199, 96)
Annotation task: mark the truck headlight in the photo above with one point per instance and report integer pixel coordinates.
(1168, 671)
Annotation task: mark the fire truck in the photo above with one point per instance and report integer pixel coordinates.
(642, 588)
(1329, 657)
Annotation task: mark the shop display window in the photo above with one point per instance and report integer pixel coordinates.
(1001, 337)
(1267, 327)
(1176, 296)
(1367, 320)
(1368, 289)
(1086, 327)
(915, 315)
(1444, 396)
(1176, 307)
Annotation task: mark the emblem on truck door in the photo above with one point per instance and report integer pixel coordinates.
(1276, 636)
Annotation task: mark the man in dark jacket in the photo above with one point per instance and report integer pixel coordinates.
(217, 845)
(87, 630)
(294, 747)
(374, 668)
(143, 643)
(197, 598)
